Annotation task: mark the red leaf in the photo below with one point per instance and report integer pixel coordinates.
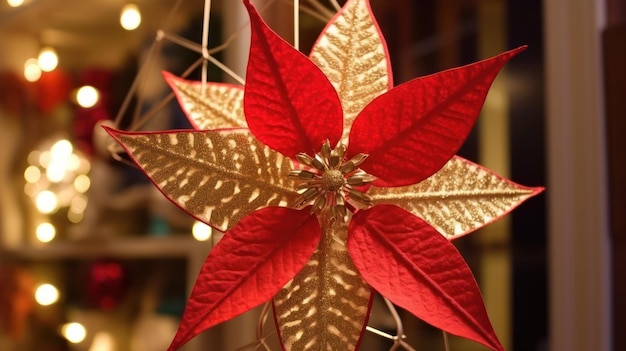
(411, 131)
(253, 261)
(420, 271)
(289, 103)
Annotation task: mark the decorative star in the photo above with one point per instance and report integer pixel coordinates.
(339, 185)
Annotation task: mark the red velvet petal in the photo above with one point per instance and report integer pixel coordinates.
(420, 271)
(414, 129)
(289, 103)
(253, 261)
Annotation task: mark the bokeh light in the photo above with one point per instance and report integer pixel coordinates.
(201, 231)
(48, 59)
(45, 232)
(130, 17)
(46, 202)
(87, 96)
(46, 294)
(32, 71)
(74, 332)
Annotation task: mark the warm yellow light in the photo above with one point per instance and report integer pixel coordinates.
(32, 174)
(32, 71)
(75, 217)
(45, 232)
(82, 183)
(87, 96)
(74, 332)
(48, 59)
(56, 170)
(73, 163)
(201, 231)
(46, 202)
(15, 3)
(61, 149)
(103, 341)
(130, 17)
(59, 162)
(46, 294)
(44, 158)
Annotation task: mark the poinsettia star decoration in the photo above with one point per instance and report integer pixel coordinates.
(330, 185)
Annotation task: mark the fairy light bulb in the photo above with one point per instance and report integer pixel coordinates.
(46, 202)
(87, 96)
(15, 3)
(45, 232)
(130, 17)
(46, 294)
(74, 332)
(48, 59)
(32, 71)
(201, 231)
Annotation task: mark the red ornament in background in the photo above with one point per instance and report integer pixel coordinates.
(107, 284)
(53, 89)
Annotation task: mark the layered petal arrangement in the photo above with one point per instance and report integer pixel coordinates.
(331, 184)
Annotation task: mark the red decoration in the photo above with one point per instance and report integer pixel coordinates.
(248, 267)
(289, 103)
(402, 137)
(411, 131)
(418, 261)
(107, 284)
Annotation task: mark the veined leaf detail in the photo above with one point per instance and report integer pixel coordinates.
(458, 199)
(214, 107)
(326, 306)
(352, 54)
(216, 176)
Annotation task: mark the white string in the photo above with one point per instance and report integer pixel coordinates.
(296, 24)
(446, 342)
(205, 41)
(335, 4)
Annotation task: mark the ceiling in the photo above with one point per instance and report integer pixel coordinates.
(84, 32)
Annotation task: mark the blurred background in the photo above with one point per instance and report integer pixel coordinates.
(93, 258)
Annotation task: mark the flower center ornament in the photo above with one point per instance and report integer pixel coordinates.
(331, 185)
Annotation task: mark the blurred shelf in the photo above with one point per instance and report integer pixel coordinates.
(123, 247)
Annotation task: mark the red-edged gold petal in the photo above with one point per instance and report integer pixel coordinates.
(215, 106)
(351, 51)
(326, 306)
(458, 199)
(217, 177)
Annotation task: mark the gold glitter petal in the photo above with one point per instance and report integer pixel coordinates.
(216, 176)
(352, 55)
(325, 306)
(218, 106)
(458, 199)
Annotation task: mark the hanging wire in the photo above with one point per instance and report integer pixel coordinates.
(446, 342)
(205, 41)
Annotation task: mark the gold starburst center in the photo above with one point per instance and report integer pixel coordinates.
(333, 180)
(330, 183)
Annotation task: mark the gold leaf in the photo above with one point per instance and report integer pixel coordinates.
(352, 54)
(325, 306)
(460, 198)
(214, 107)
(216, 176)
